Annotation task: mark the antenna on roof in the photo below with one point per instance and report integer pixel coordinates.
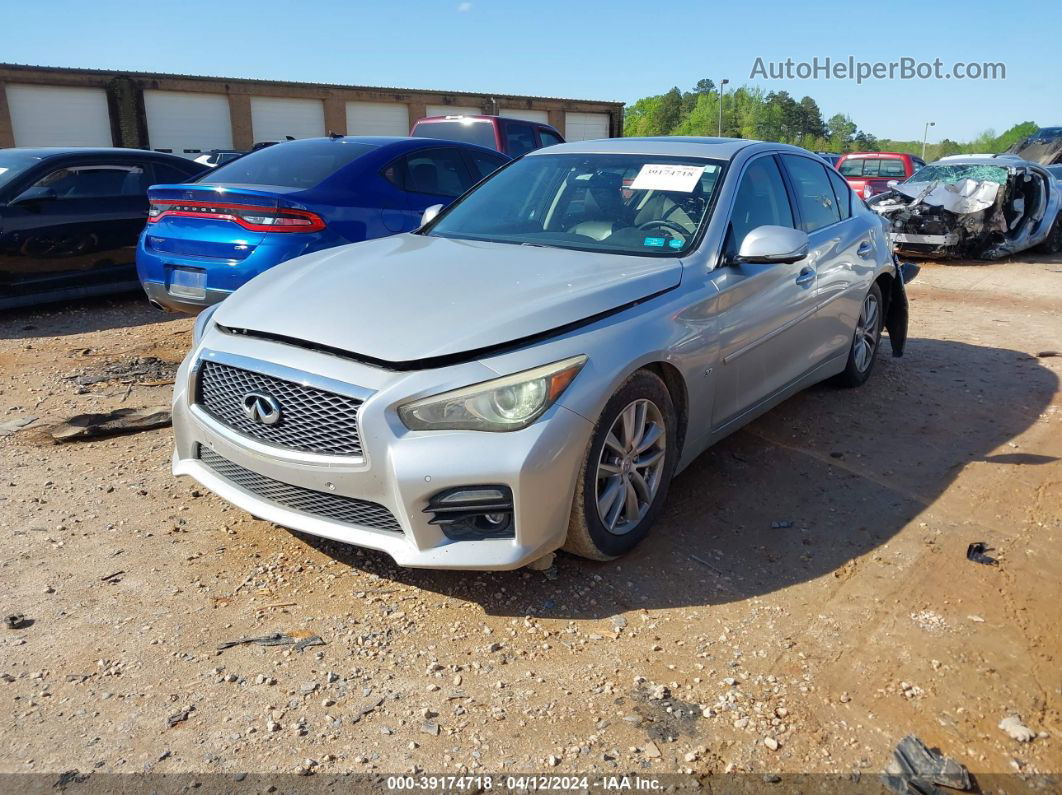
(334, 135)
(289, 137)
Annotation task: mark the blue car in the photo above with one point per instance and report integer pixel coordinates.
(206, 238)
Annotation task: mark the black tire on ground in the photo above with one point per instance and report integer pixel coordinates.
(860, 356)
(588, 535)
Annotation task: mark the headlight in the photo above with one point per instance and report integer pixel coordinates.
(505, 404)
(202, 323)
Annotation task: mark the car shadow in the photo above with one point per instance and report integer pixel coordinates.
(82, 316)
(824, 478)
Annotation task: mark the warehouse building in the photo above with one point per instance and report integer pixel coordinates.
(186, 115)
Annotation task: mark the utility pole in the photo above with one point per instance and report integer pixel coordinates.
(722, 83)
(925, 135)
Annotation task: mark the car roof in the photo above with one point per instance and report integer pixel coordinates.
(391, 143)
(1003, 161)
(478, 117)
(676, 145)
(879, 154)
(43, 152)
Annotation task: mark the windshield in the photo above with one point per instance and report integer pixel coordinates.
(293, 164)
(949, 175)
(13, 164)
(625, 204)
(467, 131)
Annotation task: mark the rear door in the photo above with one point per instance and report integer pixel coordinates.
(429, 176)
(75, 227)
(518, 137)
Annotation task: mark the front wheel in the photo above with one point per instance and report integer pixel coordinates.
(865, 340)
(626, 472)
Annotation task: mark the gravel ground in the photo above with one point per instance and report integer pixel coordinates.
(804, 602)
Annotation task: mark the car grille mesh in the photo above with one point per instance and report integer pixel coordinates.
(312, 420)
(317, 503)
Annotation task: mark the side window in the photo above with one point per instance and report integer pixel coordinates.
(519, 138)
(439, 172)
(761, 201)
(548, 137)
(92, 182)
(892, 167)
(843, 193)
(852, 167)
(165, 174)
(815, 199)
(484, 164)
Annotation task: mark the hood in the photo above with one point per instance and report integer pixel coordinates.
(409, 297)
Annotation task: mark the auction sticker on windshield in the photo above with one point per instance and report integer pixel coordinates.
(658, 176)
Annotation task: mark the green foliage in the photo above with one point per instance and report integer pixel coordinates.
(749, 112)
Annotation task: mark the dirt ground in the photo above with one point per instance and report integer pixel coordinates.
(804, 603)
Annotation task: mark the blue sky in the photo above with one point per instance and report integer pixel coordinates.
(618, 50)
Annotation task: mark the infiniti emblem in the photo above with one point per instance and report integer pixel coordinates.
(261, 407)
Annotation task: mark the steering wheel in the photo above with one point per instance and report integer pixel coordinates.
(671, 226)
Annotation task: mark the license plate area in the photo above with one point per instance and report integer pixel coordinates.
(187, 282)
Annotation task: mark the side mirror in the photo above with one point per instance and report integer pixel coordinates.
(892, 183)
(773, 245)
(430, 213)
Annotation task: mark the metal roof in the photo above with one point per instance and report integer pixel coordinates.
(255, 80)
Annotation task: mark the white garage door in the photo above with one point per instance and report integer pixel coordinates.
(275, 118)
(187, 124)
(59, 116)
(453, 110)
(585, 126)
(377, 118)
(528, 115)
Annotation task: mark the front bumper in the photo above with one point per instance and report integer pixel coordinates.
(400, 470)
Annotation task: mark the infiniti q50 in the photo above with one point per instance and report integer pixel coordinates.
(531, 367)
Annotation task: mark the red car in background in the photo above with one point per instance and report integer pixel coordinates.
(509, 136)
(869, 173)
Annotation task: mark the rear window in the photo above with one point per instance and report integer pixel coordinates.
(873, 167)
(468, 131)
(294, 164)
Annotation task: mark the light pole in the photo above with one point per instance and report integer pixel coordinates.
(925, 135)
(721, 84)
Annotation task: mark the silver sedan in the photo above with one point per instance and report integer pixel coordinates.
(531, 368)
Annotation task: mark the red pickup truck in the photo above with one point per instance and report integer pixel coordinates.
(509, 136)
(869, 173)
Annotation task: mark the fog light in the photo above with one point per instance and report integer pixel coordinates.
(472, 513)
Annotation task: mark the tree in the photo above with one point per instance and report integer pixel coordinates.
(809, 119)
(840, 130)
(669, 113)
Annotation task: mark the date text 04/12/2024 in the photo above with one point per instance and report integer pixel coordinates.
(543, 783)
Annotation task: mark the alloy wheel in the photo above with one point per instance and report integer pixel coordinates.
(866, 339)
(630, 467)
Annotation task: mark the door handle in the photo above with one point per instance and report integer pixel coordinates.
(865, 249)
(807, 276)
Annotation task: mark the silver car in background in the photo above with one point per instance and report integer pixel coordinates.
(530, 369)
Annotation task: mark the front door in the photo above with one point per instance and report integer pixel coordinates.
(763, 310)
(75, 228)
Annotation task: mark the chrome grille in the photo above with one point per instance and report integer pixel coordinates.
(316, 503)
(312, 420)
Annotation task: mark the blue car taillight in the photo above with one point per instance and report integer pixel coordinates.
(254, 218)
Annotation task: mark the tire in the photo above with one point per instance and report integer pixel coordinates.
(865, 340)
(607, 531)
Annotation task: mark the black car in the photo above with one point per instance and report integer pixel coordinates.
(70, 218)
